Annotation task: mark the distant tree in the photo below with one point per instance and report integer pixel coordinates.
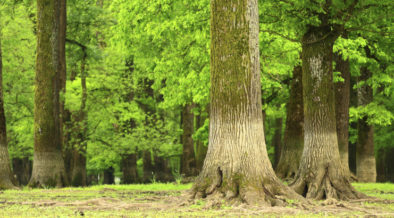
(365, 156)
(48, 164)
(237, 164)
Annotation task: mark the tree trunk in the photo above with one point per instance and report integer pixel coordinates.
(129, 168)
(162, 171)
(353, 125)
(48, 165)
(277, 140)
(293, 140)
(385, 171)
(79, 158)
(321, 174)
(109, 177)
(342, 103)
(188, 166)
(22, 170)
(365, 158)
(148, 167)
(5, 169)
(237, 164)
(62, 64)
(201, 150)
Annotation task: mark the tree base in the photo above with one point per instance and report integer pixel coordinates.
(48, 170)
(268, 192)
(330, 183)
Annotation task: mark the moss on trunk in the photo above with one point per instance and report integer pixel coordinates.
(237, 165)
(48, 164)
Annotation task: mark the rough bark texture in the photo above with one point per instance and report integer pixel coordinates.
(22, 170)
(48, 165)
(162, 171)
(365, 157)
(237, 164)
(129, 169)
(5, 169)
(188, 165)
(293, 140)
(148, 167)
(277, 140)
(321, 174)
(342, 103)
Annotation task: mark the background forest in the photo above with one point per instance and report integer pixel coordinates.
(136, 101)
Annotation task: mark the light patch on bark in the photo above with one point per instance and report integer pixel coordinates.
(316, 68)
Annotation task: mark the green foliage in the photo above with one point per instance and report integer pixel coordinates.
(18, 46)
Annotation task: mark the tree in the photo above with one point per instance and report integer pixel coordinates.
(293, 141)
(188, 163)
(321, 174)
(237, 163)
(48, 164)
(365, 157)
(342, 104)
(5, 169)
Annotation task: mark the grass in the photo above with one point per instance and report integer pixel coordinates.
(165, 200)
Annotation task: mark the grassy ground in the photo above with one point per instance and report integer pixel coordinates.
(168, 200)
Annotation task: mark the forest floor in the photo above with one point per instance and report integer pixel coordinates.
(169, 200)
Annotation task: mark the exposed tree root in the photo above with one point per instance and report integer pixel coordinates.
(236, 189)
(326, 184)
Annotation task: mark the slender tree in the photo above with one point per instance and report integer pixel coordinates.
(237, 164)
(188, 165)
(79, 151)
(365, 157)
(48, 165)
(342, 104)
(5, 169)
(293, 141)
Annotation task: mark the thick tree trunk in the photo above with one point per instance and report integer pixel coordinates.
(342, 103)
(129, 169)
(148, 167)
(48, 165)
(162, 171)
(79, 157)
(321, 174)
(5, 169)
(277, 140)
(237, 164)
(22, 170)
(188, 165)
(293, 140)
(365, 157)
